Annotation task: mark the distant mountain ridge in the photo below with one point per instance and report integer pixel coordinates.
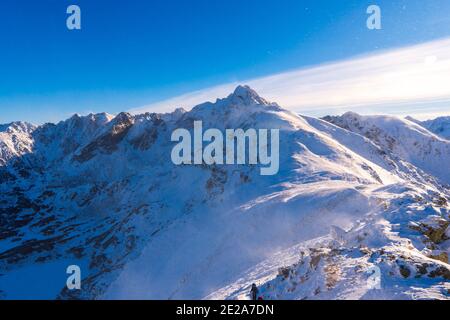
(439, 126)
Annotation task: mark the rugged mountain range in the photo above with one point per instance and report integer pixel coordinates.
(358, 210)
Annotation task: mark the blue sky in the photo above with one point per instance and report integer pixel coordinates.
(135, 53)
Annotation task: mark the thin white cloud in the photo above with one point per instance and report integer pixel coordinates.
(416, 74)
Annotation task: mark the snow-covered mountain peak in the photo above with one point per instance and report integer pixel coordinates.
(17, 127)
(15, 140)
(247, 96)
(243, 99)
(122, 117)
(78, 122)
(101, 118)
(178, 112)
(242, 109)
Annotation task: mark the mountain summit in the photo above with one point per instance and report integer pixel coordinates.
(247, 96)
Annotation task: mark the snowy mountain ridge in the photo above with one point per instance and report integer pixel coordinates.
(352, 194)
(405, 139)
(439, 126)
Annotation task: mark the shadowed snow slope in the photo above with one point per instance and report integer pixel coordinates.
(102, 192)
